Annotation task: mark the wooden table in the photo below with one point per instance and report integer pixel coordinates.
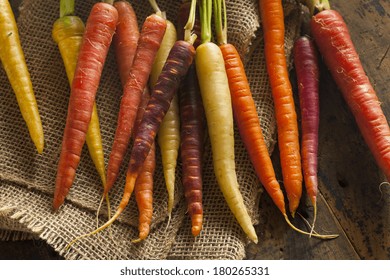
(351, 201)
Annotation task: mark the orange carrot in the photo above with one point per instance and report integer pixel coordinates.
(272, 17)
(151, 36)
(97, 38)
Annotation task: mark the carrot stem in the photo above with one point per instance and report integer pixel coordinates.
(316, 6)
(111, 2)
(205, 20)
(220, 21)
(66, 8)
(156, 9)
(188, 35)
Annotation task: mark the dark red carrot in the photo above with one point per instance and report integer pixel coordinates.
(193, 127)
(175, 68)
(192, 130)
(306, 66)
(97, 38)
(332, 37)
(151, 36)
(125, 38)
(143, 188)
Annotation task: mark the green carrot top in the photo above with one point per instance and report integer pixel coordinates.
(66, 8)
(220, 21)
(205, 20)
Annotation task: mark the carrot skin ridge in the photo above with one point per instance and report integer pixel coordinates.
(68, 33)
(97, 38)
(126, 38)
(175, 68)
(271, 12)
(333, 40)
(247, 120)
(216, 100)
(149, 42)
(14, 63)
(307, 70)
(191, 148)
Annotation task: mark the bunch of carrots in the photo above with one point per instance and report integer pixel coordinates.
(194, 81)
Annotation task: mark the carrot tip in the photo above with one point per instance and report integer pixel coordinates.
(197, 220)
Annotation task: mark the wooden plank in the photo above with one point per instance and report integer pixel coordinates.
(349, 177)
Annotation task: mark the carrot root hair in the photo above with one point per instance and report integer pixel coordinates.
(130, 182)
(312, 233)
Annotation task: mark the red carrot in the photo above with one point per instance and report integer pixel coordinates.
(306, 66)
(97, 38)
(332, 37)
(151, 36)
(125, 38)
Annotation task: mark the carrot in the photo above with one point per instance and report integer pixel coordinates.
(168, 137)
(68, 32)
(271, 12)
(125, 42)
(306, 66)
(192, 127)
(175, 68)
(214, 88)
(125, 38)
(97, 38)
(332, 37)
(143, 188)
(149, 42)
(192, 136)
(14, 63)
(245, 113)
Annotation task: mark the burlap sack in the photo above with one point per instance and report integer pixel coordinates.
(27, 179)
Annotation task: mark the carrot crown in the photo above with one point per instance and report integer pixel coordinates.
(220, 21)
(205, 20)
(316, 6)
(111, 2)
(66, 8)
(156, 9)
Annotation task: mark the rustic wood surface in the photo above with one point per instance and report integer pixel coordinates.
(351, 203)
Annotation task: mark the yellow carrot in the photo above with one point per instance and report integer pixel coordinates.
(214, 88)
(12, 58)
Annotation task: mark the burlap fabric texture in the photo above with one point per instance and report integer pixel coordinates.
(27, 179)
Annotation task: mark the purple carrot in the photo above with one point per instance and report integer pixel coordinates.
(306, 65)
